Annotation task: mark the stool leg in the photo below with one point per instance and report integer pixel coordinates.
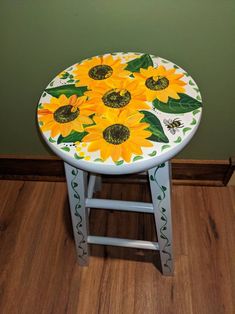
(98, 183)
(77, 190)
(160, 184)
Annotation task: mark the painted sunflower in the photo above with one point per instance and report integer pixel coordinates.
(62, 115)
(99, 70)
(121, 94)
(160, 83)
(118, 134)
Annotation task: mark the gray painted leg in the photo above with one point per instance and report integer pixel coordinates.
(77, 190)
(98, 183)
(160, 184)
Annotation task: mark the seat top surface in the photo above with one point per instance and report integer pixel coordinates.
(119, 113)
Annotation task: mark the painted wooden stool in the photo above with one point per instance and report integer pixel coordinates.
(120, 113)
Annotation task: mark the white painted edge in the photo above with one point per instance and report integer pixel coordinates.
(126, 168)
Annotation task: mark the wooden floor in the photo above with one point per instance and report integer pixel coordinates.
(39, 273)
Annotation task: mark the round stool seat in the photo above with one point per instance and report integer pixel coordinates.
(119, 113)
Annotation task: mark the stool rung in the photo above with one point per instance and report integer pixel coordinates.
(139, 244)
(119, 205)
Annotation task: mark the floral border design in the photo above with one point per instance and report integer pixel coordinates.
(79, 224)
(163, 228)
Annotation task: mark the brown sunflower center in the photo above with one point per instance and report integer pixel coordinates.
(116, 134)
(157, 82)
(116, 98)
(100, 72)
(65, 114)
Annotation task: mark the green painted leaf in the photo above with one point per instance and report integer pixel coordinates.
(40, 106)
(151, 178)
(186, 130)
(44, 94)
(194, 121)
(196, 111)
(159, 197)
(74, 172)
(163, 210)
(199, 98)
(175, 66)
(67, 90)
(182, 105)
(196, 89)
(191, 83)
(137, 158)
(155, 127)
(143, 62)
(77, 157)
(65, 148)
(165, 147)
(51, 140)
(164, 188)
(70, 81)
(164, 61)
(73, 137)
(179, 139)
(119, 162)
(99, 160)
(65, 76)
(154, 153)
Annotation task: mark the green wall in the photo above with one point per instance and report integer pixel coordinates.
(41, 38)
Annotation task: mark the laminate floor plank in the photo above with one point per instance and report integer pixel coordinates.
(39, 273)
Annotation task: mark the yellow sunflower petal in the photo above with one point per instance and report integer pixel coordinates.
(63, 100)
(107, 59)
(146, 72)
(85, 120)
(162, 96)
(52, 106)
(92, 137)
(142, 133)
(126, 153)
(76, 125)
(94, 146)
(141, 141)
(106, 151)
(55, 130)
(65, 129)
(116, 152)
(136, 149)
(134, 118)
(46, 118)
(140, 126)
(137, 105)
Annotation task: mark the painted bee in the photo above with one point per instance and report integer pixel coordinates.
(173, 125)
